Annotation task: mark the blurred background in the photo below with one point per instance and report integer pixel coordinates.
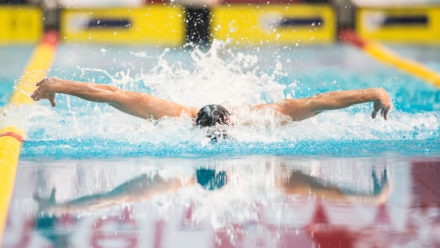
(240, 22)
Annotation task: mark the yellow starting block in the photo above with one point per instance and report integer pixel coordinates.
(274, 24)
(410, 25)
(153, 24)
(20, 24)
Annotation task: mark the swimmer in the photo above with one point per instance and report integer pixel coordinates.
(144, 105)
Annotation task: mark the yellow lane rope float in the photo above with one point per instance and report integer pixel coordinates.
(11, 138)
(386, 56)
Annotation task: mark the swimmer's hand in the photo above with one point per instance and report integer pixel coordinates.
(383, 103)
(45, 203)
(44, 91)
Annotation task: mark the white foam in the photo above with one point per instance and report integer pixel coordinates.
(221, 76)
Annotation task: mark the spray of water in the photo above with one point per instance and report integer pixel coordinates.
(216, 76)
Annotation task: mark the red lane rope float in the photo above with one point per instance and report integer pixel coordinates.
(51, 38)
(11, 138)
(13, 135)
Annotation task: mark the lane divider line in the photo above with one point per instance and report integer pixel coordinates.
(386, 56)
(12, 138)
(39, 63)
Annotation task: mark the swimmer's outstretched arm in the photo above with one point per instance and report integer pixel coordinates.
(134, 103)
(300, 109)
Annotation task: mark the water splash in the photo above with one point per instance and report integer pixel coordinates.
(219, 75)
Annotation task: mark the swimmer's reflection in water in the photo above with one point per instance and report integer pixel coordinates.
(295, 182)
(138, 189)
(146, 186)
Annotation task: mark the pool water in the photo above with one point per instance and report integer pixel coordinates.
(13, 59)
(338, 178)
(234, 78)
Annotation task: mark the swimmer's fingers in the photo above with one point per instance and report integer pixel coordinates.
(36, 96)
(376, 108)
(373, 114)
(44, 92)
(384, 112)
(44, 81)
(45, 203)
(52, 100)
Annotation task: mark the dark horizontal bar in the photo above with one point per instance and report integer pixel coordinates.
(406, 20)
(288, 22)
(108, 23)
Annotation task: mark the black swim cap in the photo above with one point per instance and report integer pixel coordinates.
(210, 115)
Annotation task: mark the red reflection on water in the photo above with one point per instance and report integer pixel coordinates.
(425, 184)
(324, 234)
(317, 221)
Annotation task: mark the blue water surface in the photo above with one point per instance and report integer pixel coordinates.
(280, 72)
(90, 176)
(13, 60)
(79, 129)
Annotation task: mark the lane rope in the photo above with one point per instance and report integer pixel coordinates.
(12, 138)
(13, 135)
(386, 56)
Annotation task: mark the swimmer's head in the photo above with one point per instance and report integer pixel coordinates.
(217, 119)
(211, 115)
